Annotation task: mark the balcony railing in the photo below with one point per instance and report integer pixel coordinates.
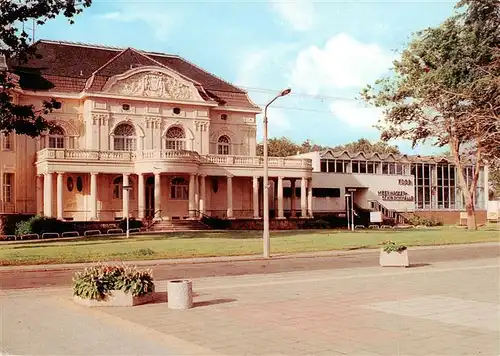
(168, 155)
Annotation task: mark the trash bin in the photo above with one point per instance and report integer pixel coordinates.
(180, 294)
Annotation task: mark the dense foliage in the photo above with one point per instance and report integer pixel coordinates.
(284, 147)
(39, 225)
(15, 46)
(97, 282)
(391, 246)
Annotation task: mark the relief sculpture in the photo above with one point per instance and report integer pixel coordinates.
(153, 85)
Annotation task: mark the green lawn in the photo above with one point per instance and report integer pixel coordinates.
(206, 244)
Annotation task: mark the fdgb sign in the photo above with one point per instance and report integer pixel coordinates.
(405, 182)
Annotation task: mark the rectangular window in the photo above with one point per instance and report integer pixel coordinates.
(355, 166)
(385, 168)
(326, 192)
(8, 185)
(371, 167)
(7, 143)
(339, 166)
(362, 167)
(331, 166)
(324, 165)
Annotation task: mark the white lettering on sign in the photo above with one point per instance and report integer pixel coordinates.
(397, 195)
(405, 182)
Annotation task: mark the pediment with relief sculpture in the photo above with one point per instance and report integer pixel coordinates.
(152, 84)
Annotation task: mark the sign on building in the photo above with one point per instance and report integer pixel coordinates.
(375, 216)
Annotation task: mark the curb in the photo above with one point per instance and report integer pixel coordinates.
(229, 259)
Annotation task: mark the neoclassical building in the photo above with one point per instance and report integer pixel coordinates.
(182, 139)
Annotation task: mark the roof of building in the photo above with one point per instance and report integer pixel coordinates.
(71, 67)
(389, 157)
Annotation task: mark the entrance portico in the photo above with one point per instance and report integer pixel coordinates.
(182, 189)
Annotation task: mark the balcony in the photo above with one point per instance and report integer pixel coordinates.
(79, 155)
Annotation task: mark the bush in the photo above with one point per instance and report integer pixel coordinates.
(96, 282)
(39, 225)
(316, 224)
(391, 246)
(421, 220)
(8, 222)
(132, 224)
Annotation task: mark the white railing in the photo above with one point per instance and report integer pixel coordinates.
(169, 155)
(76, 154)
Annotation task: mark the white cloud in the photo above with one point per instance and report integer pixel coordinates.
(154, 16)
(342, 68)
(356, 114)
(343, 63)
(300, 15)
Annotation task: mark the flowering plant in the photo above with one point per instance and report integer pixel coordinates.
(96, 282)
(391, 246)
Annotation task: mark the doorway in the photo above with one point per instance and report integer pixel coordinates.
(150, 197)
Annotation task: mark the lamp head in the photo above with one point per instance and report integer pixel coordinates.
(285, 92)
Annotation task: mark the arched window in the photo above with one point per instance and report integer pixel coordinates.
(223, 145)
(175, 139)
(118, 188)
(56, 137)
(179, 189)
(124, 138)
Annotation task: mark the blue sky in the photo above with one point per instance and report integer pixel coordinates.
(326, 51)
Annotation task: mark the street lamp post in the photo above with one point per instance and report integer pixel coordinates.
(126, 190)
(265, 234)
(348, 210)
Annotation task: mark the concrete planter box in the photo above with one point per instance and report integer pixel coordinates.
(394, 259)
(180, 294)
(116, 298)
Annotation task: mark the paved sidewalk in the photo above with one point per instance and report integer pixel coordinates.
(446, 308)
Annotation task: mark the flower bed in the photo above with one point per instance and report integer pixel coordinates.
(105, 285)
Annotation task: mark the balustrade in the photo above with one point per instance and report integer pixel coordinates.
(169, 155)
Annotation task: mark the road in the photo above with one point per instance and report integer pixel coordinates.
(38, 277)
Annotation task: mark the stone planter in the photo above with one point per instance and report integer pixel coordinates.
(394, 259)
(116, 298)
(180, 294)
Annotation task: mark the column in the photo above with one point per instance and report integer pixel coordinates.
(229, 197)
(293, 214)
(256, 197)
(59, 195)
(303, 198)
(203, 195)
(191, 206)
(125, 199)
(39, 194)
(157, 213)
(281, 214)
(309, 198)
(47, 195)
(93, 196)
(141, 197)
(196, 193)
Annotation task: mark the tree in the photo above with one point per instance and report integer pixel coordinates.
(445, 89)
(283, 147)
(15, 48)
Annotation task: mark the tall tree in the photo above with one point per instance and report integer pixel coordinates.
(445, 89)
(15, 48)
